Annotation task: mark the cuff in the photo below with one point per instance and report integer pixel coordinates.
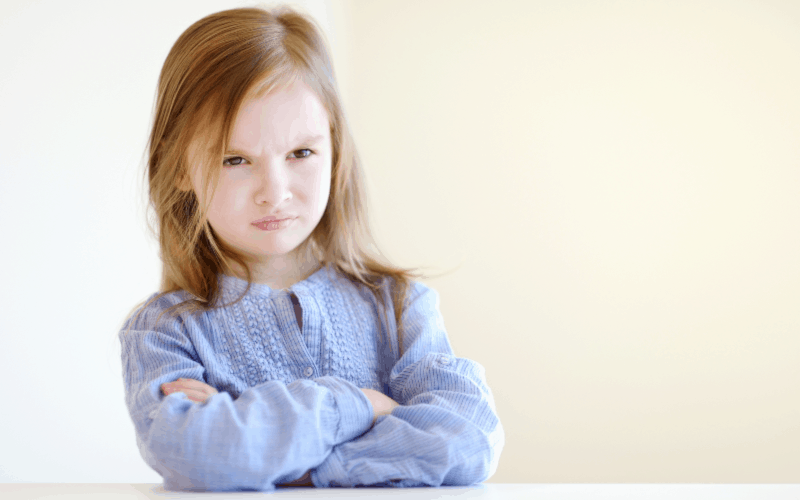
(355, 410)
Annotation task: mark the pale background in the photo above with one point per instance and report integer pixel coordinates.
(614, 186)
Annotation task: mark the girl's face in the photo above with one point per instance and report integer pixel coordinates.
(278, 167)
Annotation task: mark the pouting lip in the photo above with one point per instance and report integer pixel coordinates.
(271, 218)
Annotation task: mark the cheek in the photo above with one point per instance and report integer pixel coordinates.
(230, 197)
(321, 188)
(313, 186)
(324, 191)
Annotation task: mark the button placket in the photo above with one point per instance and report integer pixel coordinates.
(304, 339)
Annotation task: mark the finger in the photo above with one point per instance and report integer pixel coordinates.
(196, 385)
(189, 382)
(173, 387)
(192, 395)
(197, 396)
(195, 391)
(170, 388)
(182, 384)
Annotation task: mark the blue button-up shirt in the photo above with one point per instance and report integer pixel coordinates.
(289, 365)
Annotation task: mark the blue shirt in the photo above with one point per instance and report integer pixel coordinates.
(289, 396)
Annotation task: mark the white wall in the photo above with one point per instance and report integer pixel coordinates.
(77, 86)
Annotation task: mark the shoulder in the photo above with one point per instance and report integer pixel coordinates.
(420, 311)
(421, 293)
(418, 297)
(421, 308)
(158, 312)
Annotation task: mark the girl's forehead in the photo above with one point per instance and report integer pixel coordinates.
(282, 115)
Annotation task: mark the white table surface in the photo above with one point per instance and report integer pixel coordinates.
(487, 491)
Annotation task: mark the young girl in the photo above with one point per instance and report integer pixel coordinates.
(280, 351)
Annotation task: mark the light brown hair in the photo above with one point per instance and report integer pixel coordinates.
(214, 66)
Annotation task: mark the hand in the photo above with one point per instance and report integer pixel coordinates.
(194, 389)
(381, 403)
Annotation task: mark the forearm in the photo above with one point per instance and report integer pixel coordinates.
(415, 446)
(271, 434)
(446, 433)
(199, 392)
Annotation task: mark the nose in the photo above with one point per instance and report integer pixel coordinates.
(273, 184)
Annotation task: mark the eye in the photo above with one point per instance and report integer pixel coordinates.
(304, 153)
(233, 161)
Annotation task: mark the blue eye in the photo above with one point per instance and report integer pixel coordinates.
(233, 161)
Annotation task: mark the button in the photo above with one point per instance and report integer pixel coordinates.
(308, 371)
(444, 360)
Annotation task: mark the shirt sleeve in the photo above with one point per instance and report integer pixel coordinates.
(445, 433)
(271, 434)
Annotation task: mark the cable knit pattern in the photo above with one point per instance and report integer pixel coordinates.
(289, 397)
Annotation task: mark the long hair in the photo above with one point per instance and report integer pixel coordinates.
(214, 66)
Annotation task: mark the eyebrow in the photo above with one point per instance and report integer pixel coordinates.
(306, 139)
(310, 138)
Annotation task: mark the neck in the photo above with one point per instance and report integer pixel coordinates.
(281, 272)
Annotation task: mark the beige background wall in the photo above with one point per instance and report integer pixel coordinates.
(621, 180)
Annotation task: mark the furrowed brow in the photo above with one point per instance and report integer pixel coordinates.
(310, 139)
(304, 139)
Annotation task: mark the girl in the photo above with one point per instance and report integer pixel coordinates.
(270, 357)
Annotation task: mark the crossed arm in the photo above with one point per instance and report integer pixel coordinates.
(444, 431)
(199, 392)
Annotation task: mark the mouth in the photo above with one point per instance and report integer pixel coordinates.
(271, 218)
(273, 223)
